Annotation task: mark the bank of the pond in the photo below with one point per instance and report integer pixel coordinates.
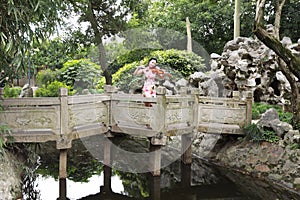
(273, 162)
(10, 177)
(276, 163)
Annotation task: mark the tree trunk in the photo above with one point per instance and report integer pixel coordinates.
(98, 41)
(237, 12)
(189, 35)
(278, 5)
(291, 67)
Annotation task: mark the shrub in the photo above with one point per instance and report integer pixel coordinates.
(259, 108)
(178, 63)
(45, 77)
(5, 138)
(129, 57)
(253, 133)
(52, 89)
(12, 92)
(182, 61)
(80, 74)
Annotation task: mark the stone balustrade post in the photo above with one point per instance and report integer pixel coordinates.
(64, 142)
(183, 91)
(160, 112)
(195, 92)
(1, 93)
(109, 89)
(249, 101)
(160, 138)
(186, 139)
(235, 94)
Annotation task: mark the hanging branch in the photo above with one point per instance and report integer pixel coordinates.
(291, 65)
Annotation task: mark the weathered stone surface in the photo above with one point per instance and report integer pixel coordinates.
(247, 64)
(262, 168)
(10, 183)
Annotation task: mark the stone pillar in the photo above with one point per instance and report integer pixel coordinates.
(107, 180)
(249, 100)
(186, 175)
(186, 148)
(159, 126)
(155, 159)
(158, 122)
(63, 143)
(63, 174)
(107, 169)
(155, 187)
(1, 93)
(109, 89)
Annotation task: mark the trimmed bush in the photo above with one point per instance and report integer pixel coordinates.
(52, 89)
(179, 63)
(80, 74)
(129, 57)
(45, 77)
(12, 92)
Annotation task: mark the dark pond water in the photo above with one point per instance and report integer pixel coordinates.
(88, 179)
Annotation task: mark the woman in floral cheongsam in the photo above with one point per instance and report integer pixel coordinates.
(150, 72)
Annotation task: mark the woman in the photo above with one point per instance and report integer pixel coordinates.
(150, 72)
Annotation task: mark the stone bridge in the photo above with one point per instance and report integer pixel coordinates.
(66, 118)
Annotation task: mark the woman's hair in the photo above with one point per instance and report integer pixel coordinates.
(152, 59)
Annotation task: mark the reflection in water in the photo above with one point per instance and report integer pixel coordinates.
(178, 181)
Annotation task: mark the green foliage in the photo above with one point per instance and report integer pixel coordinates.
(179, 63)
(294, 146)
(12, 92)
(45, 77)
(80, 74)
(124, 78)
(204, 17)
(270, 136)
(129, 57)
(182, 61)
(255, 134)
(23, 22)
(259, 108)
(5, 138)
(52, 54)
(52, 89)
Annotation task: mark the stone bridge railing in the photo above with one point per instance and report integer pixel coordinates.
(65, 118)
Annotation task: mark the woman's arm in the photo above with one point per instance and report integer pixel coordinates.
(138, 70)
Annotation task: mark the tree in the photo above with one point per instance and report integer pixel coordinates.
(211, 21)
(106, 18)
(291, 68)
(21, 23)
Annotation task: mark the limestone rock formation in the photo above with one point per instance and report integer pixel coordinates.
(246, 64)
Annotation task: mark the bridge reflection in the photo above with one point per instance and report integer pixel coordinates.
(183, 190)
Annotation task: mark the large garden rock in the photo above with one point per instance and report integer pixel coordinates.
(247, 64)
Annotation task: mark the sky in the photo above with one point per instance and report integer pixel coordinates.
(49, 187)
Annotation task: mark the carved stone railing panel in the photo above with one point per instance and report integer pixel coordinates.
(40, 119)
(225, 115)
(89, 109)
(29, 116)
(179, 111)
(222, 111)
(131, 113)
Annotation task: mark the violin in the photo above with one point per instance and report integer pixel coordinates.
(157, 71)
